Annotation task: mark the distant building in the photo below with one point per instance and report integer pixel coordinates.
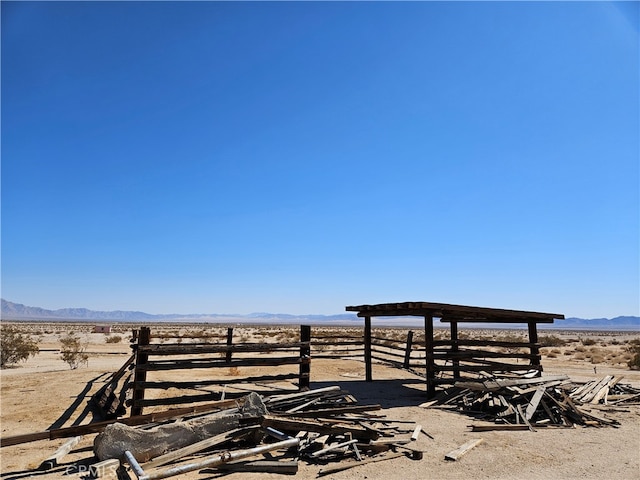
(102, 329)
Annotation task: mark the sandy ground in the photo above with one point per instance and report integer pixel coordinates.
(45, 393)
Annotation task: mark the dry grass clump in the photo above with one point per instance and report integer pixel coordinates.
(551, 341)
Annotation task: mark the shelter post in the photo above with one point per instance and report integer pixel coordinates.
(454, 348)
(431, 367)
(367, 349)
(535, 349)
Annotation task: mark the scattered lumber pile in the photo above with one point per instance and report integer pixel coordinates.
(529, 403)
(325, 426)
(608, 391)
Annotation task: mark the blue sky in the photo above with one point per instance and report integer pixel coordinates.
(217, 157)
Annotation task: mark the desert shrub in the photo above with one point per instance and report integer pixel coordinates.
(551, 341)
(634, 350)
(588, 341)
(73, 351)
(597, 358)
(15, 347)
(114, 339)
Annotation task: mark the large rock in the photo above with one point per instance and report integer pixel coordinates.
(147, 444)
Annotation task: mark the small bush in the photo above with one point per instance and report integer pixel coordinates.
(634, 350)
(73, 352)
(588, 341)
(551, 341)
(16, 347)
(114, 339)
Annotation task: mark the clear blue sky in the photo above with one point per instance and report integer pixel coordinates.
(294, 157)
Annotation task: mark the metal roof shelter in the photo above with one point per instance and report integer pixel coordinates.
(460, 355)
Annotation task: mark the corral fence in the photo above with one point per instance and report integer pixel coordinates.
(158, 369)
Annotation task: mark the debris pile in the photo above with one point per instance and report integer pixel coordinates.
(322, 426)
(529, 403)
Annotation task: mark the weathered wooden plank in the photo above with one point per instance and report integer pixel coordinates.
(462, 449)
(96, 427)
(205, 348)
(205, 383)
(535, 400)
(323, 428)
(497, 384)
(198, 447)
(483, 343)
(192, 364)
(323, 412)
(282, 467)
(346, 466)
(53, 460)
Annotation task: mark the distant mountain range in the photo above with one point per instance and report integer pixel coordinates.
(17, 311)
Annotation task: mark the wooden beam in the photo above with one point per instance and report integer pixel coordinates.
(140, 374)
(462, 449)
(367, 349)
(535, 351)
(431, 367)
(53, 460)
(443, 310)
(96, 427)
(305, 354)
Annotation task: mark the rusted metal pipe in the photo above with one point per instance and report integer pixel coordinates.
(218, 459)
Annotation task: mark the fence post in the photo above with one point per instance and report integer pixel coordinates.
(407, 353)
(140, 375)
(305, 357)
(229, 343)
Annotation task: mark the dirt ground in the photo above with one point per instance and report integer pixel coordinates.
(44, 393)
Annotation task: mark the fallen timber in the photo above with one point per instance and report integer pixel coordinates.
(530, 403)
(97, 427)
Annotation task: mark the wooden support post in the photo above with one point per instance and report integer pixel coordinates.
(367, 349)
(140, 374)
(535, 351)
(407, 353)
(431, 368)
(305, 357)
(455, 348)
(229, 343)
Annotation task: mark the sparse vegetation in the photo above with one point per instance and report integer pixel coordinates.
(15, 346)
(113, 339)
(73, 351)
(551, 341)
(634, 350)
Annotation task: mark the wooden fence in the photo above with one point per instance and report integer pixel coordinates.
(162, 357)
(158, 354)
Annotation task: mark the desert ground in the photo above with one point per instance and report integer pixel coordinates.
(44, 393)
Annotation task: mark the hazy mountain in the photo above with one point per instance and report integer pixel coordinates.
(17, 311)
